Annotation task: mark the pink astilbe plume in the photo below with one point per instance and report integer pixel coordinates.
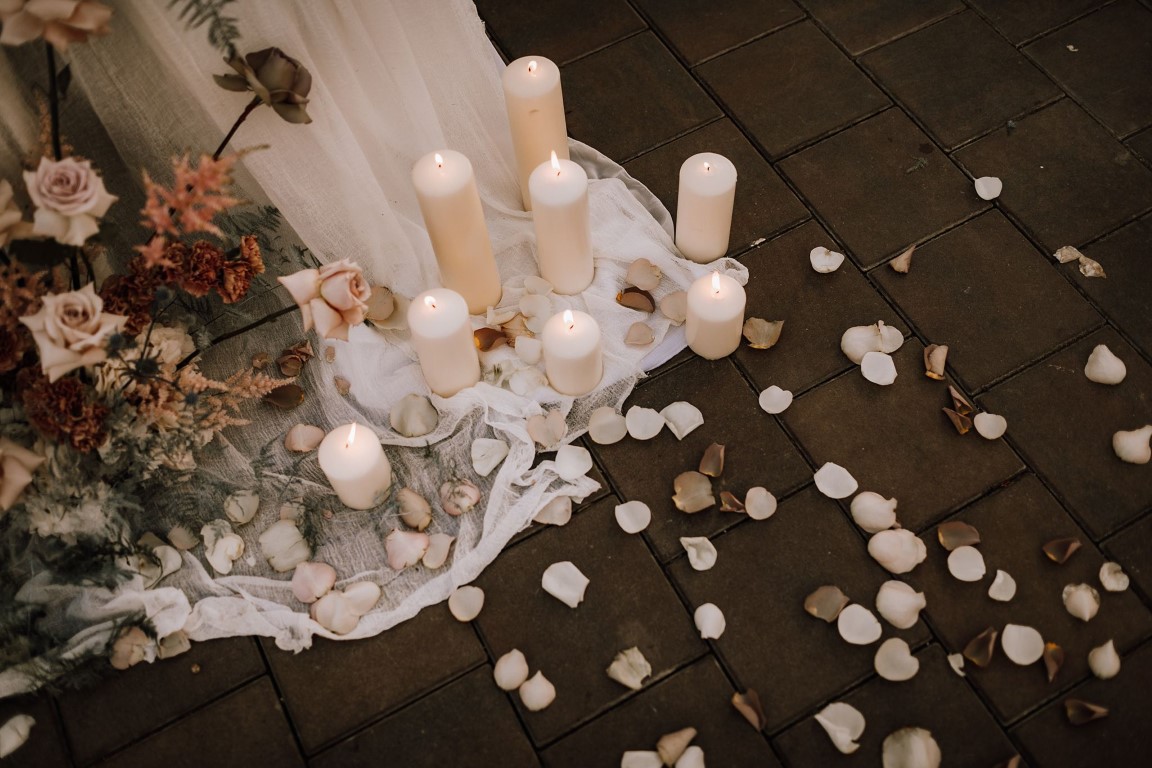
(196, 196)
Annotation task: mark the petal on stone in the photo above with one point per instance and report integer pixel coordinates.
(1022, 645)
(844, 725)
(511, 670)
(956, 533)
(1113, 578)
(966, 564)
(565, 582)
(748, 704)
(556, 512)
(537, 693)
(465, 603)
(1003, 587)
(692, 492)
(633, 516)
(894, 661)
(572, 462)
(759, 503)
(775, 400)
(981, 648)
(858, 625)
(709, 620)
(1081, 600)
(1080, 712)
(910, 748)
(712, 462)
(826, 602)
(643, 423)
(682, 418)
(701, 552)
(606, 427)
(878, 368)
(630, 668)
(835, 482)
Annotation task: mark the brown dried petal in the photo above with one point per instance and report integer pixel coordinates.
(636, 298)
(260, 360)
(488, 338)
(1091, 267)
(962, 423)
(639, 335)
(343, 386)
(672, 745)
(285, 397)
(381, 304)
(290, 365)
(980, 648)
(712, 463)
(302, 349)
(330, 354)
(1059, 550)
(748, 704)
(729, 502)
(935, 356)
(1053, 660)
(693, 492)
(903, 262)
(762, 334)
(960, 404)
(1080, 712)
(957, 534)
(826, 603)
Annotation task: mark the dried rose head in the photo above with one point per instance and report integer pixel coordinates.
(279, 81)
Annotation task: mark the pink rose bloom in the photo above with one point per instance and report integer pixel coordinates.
(17, 464)
(69, 197)
(60, 22)
(332, 298)
(71, 330)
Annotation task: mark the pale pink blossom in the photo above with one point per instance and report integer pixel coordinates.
(69, 197)
(71, 330)
(332, 298)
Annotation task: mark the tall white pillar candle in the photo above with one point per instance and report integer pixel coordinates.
(704, 206)
(450, 204)
(715, 319)
(559, 191)
(573, 357)
(535, 114)
(354, 463)
(442, 337)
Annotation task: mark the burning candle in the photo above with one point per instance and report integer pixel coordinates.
(715, 319)
(559, 190)
(704, 206)
(354, 463)
(573, 358)
(442, 337)
(536, 116)
(446, 189)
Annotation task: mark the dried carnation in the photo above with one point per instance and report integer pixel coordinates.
(237, 272)
(63, 410)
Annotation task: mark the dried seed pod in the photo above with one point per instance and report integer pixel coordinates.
(729, 502)
(712, 463)
(826, 602)
(285, 397)
(1053, 660)
(956, 533)
(961, 422)
(487, 339)
(1080, 712)
(1059, 550)
(903, 262)
(981, 648)
(762, 334)
(748, 704)
(636, 298)
(935, 356)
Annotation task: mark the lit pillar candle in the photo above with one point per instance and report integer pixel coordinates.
(704, 206)
(354, 463)
(563, 230)
(442, 337)
(535, 114)
(715, 319)
(450, 204)
(573, 358)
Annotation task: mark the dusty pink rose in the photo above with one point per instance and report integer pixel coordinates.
(332, 298)
(130, 648)
(60, 22)
(12, 224)
(69, 197)
(17, 464)
(71, 329)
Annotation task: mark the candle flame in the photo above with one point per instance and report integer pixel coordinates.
(439, 160)
(569, 320)
(707, 167)
(351, 436)
(716, 282)
(532, 67)
(555, 163)
(430, 301)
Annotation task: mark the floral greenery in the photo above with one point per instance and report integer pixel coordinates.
(222, 30)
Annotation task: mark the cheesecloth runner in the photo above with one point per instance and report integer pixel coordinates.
(392, 81)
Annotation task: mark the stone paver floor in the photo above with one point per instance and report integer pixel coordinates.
(858, 126)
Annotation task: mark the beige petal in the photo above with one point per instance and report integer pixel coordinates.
(1053, 660)
(1104, 661)
(990, 426)
(1023, 645)
(643, 423)
(1059, 550)
(960, 403)
(1066, 254)
(630, 668)
(572, 462)
(873, 512)
(1133, 446)
(957, 533)
(311, 581)
(634, 758)
(712, 462)
(710, 621)
(1103, 367)
(633, 516)
(639, 335)
(1080, 712)
(759, 503)
(534, 305)
(644, 275)
(674, 306)
(529, 350)
(981, 648)
(682, 418)
(537, 285)
(748, 704)
(988, 187)
(672, 745)
(606, 427)
(878, 368)
(556, 512)
(894, 661)
(1081, 600)
(826, 602)
(899, 604)
(966, 564)
(693, 757)
(834, 481)
(1003, 587)
(1113, 578)
(1090, 267)
(775, 400)
(961, 422)
(898, 551)
(910, 748)
(405, 548)
(362, 596)
(547, 429)
(438, 546)
(413, 416)
(729, 502)
(701, 552)
(511, 670)
(537, 693)
(935, 358)
(825, 261)
(334, 613)
(465, 603)
(858, 625)
(956, 661)
(415, 510)
(14, 733)
(487, 453)
(241, 506)
(844, 725)
(761, 333)
(692, 492)
(303, 438)
(903, 262)
(565, 582)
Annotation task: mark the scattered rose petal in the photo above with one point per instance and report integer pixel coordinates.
(674, 306)
(643, 423)
(222, 546)
(899, 604)
(405, 548)
(535, 305)
(910, 748)
(438, 546)
(565, 582)
(898, 551)
(182, 538)
(748, 704)
(935, 358)
(1103, 367)
(957, 533)
(413, 416)
(1104, 661)
(1080, 712)
(989, 187)
(644, 275)
(458, 496)
(981, 648)
(1003, 587)
(878, 368)
(775, 400)
(960, 403)
(1133, 446)
(990, 426)
(1090, 267)
(672, 745)
(1053, 660)
(759, 503)
(500, 315)
(465, 603)
(873, 512)
(241, 506)
(709, 621)
(701, 552)
(956, 661)
(14, 733)
(1113, 578)
(894, 661)
(303, 438)
(693, 757)
(858, 625)
(629, 668)
(637, 299)
(826, 602)
(961, 422)
(712, 462)
(729, 502)
(526, 381)
(633, 516)
(285, 397)
(1081, 600)
(343, 386)
(311, 581)
(556, 512)
(1059, 550)
(381, 304)
(173, 645)
(639, 335)
(529, 350)
(335, 613)
(362, 596)
(844, 725)
(1023, 645)
(634, 758)
(1013, 762)
(572, 462)
(487, 453)
(415, 510)
(511, 670)
(1066, 254)
(260, 360)
(537, 693)
(824, 260)
(682, 418)
(861, 339)
(692, 492)
(903, 262)
(761, 333)
(606, 427)
(487, 339)
(537, 285)
(834, 481)
(966, 564)
(547, 429)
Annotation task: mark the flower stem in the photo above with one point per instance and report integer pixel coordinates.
(239, 331)
(235, 126)
(53, 102)
(74, 266)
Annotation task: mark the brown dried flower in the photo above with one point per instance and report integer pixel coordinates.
(20, 293)
(237, 273)
(279, 81)
(63, 410)
(201, 270)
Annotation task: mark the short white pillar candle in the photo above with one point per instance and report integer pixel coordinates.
(704, 206)
(563, 229)
(353, 460)
(535, 106)
(446, 190)
(715, 319)
(442, 337)
(573, 357)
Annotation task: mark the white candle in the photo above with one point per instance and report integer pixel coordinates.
(354, 462)
(704, 206)
(442, 337)
(535, 114)
(446, 189)
(573, 358)
(715, 319)
(559, 191)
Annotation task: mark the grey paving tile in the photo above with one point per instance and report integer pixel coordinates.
(1142, 143)
(896, 441)
(468, 722)
(558, 29)
(336, 686)
(935, 699)
(960, 77)
(987, 293)
(1101, 491)
(698, 697)
(1020, 20)
(133, 703)
(1119, 739)
(1065, 178)
(46, 747)
(1132, 548)
(764, 571)
(764, 204)
(1126, 295)
(1103, 60)
(632, 96)
(702, 28)
(1014, 525)
(791, 87)
(758, 452)
(628, 603)
(815, 309)
(245, 728)
(860, 26)
(881, 186)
